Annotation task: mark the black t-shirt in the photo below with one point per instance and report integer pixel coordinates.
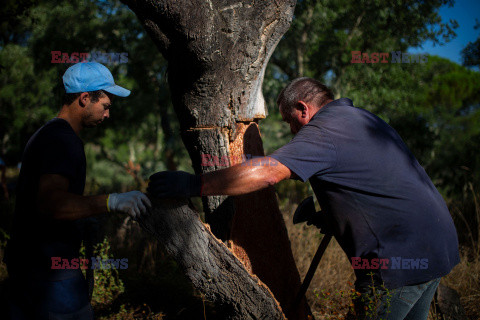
(379, 201)
(53, 149)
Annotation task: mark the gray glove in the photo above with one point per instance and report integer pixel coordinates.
(134, 203)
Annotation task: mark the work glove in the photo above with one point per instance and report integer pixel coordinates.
(134, 203)
(174, 184)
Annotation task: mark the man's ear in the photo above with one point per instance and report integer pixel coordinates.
(84, 99)
(303, 107)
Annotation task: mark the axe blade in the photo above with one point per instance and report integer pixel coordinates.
(304, 211)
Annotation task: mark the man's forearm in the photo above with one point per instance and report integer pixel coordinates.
(244, 178)
(64, 205)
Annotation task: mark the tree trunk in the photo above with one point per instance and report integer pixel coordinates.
(207, 262)
(217, 52)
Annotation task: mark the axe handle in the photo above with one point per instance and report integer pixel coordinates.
(313, 267)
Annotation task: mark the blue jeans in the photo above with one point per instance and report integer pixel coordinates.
(34, 298)
(407, 302)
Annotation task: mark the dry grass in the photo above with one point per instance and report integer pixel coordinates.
(465, 279)
(328, 294)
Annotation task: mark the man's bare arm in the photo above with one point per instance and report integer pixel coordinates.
(55, 202)
(244, 178)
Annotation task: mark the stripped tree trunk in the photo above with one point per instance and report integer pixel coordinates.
(207, 262)
(217, 52)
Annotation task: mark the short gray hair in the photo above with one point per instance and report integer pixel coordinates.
(303, 89)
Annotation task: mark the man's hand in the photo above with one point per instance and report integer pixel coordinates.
(174, 184)
(134, 203)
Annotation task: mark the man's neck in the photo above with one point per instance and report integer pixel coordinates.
(326, 102)
(320, 108)
(68, 116)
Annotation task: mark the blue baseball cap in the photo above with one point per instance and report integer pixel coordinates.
(91, 76)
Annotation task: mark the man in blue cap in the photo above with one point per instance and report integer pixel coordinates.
(379, 203)
(50, 207)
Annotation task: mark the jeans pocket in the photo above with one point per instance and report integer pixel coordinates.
(411, 294)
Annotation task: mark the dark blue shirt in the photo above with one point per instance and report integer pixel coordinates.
(53, 149)
(378, 200)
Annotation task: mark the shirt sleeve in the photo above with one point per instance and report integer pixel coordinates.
(60, 156)
(310, 152)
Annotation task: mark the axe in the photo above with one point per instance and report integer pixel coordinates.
(306, 213)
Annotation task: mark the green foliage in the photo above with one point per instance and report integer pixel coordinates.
(323, 34)
(340, 304)
(108, 285)
(24, 99)
(374, 299)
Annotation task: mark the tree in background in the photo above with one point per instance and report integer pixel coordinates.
(471, 53)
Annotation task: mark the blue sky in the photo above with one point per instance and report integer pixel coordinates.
(465, 12)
